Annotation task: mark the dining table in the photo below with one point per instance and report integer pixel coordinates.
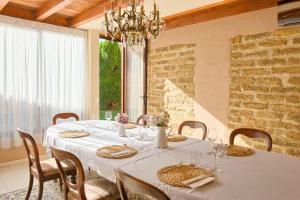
(260, 176)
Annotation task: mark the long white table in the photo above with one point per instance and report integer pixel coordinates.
(262, 176)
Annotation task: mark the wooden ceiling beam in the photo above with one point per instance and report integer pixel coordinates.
(23, 13)
(51, 7)
(215, 11)
(3, 4)
(95, 12)
(90, 14)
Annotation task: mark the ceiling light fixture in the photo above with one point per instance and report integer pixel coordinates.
(132, 25)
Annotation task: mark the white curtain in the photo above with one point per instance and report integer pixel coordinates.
(42, 72)
(134, 82)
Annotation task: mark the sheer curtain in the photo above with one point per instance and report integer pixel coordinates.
(42, 72)
(135, 82)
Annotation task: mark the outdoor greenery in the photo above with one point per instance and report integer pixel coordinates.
(110, 77)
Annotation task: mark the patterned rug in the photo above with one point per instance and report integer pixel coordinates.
(51, 191)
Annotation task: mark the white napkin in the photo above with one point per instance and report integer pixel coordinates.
(126, 151)
(198, 181)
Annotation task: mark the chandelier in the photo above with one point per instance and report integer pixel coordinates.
(132, 25)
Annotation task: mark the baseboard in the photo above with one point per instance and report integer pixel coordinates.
(20, 161)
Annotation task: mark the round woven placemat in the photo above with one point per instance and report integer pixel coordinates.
(105, 152)
(174, 175)
(235, 150)
(73, 134)
(130, 126)
(176, 138)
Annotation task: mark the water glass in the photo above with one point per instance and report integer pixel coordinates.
(210, 161)
(195, 158)
(222, 150)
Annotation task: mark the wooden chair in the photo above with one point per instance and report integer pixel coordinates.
(45, 170)
(96, 189)
(64, 116)
(130, 186)
(252, 133)
(193, 124)
(144, 118)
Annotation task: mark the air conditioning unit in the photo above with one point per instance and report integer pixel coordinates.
(288, 12)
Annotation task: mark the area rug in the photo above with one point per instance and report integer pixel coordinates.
(51, 191)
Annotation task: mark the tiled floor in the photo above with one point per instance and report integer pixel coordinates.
(14, 177)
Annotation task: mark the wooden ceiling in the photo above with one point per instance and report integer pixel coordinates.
(217, 10)
(73, 13)
(70, 13)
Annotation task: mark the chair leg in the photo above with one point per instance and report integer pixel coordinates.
(41, 187)
(66, 191)
(29, 187)
(60, 184)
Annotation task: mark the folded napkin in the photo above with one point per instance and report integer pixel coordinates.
(198, 181)
(119, 153)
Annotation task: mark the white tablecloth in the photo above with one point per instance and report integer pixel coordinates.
(262, 176)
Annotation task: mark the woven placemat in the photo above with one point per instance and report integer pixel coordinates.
(235, 150)
(73, 134)
(176, 138)
(105, 152)
(174, 175)
(130, 126)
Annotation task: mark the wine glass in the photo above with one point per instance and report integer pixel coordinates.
(108, 115)
(212, 137)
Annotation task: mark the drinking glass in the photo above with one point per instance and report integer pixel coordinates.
(210, 161)
(212, 137)
(222, 152)
(195, 158)
(108, 115)
(217, 152)
(140, 137)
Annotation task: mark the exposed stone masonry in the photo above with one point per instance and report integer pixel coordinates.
(265, 86)
(171, 72)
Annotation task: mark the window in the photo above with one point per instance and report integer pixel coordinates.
(42, 72)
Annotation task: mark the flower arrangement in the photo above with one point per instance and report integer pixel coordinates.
(112, 105)
(122, 118)
(161, 120)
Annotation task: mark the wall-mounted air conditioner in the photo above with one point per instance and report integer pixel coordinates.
(288, 12)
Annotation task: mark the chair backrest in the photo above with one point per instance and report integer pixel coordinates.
(252, 133)
(78, 187)
(64, 116)
(32, 153)
(136, 186)
(144, 118)
(193, 124)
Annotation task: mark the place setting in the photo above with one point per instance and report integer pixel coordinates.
(188, 176)
(73, 134)
(116, 151)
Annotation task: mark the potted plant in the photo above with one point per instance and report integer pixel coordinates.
(122, 119)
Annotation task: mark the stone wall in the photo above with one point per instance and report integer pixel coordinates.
(265, 86)
(171, 72)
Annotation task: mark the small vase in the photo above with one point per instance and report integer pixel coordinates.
(161, 138)
(122, 130)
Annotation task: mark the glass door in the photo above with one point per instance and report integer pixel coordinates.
(135, 83)
(110, 74)
(122, 79)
